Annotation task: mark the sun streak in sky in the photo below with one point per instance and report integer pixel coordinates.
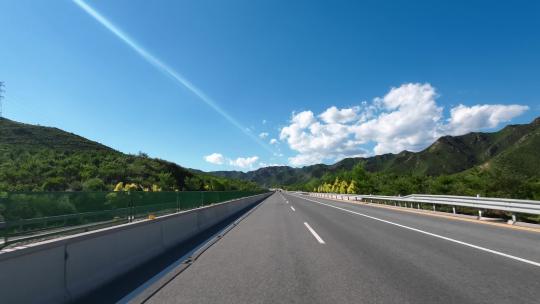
(165, 69)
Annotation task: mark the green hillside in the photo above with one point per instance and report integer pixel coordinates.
(453, 154)
(268, 176)
(37, 158)
(522, 157)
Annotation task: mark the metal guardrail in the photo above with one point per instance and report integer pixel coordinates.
(481, 203)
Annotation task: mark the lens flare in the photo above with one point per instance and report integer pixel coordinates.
(165, 69)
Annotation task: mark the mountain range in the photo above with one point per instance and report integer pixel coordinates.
(514, 148)
(38, 158)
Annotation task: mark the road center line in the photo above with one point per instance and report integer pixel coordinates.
(537, 264)
(293, 208)
(319, 239)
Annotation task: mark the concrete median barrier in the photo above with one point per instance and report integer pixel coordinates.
(179, 228)
(62, 270)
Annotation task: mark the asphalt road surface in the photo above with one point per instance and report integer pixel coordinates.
(299, 249)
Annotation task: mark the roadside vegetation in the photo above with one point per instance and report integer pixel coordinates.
(51, 170)
(488, 183)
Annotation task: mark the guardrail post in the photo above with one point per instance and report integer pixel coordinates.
(454, 209)
(479, 214)
(434, 209)
(514, 218)
(418, 206)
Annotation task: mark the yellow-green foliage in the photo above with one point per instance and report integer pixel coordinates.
(335, 186)
(352, 189)
(131, 187)
(327, 188)
(343, 187)
(119, 187)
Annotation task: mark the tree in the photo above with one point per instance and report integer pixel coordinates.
(166, 181)
(343, 187)
(119, 187)
(359, 173)
(53, 184)
(215, 185)
(352, 189)
(335, 186)
(193, 183)
(131, 187)
(94, 184)
(327, 188)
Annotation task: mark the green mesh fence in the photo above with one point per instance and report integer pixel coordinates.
(32, 214)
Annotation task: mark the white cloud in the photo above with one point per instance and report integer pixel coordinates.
(215, 158)
(264, 121)
(464, 119)
(333, 115)
(261, 164)
(316, 141)
(406, 118)
(240, 162)
(263, 135)
(243, 162)
(303, 119)
(306, 159)
(273, 141)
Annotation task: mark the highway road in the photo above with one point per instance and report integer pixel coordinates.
(299, 249)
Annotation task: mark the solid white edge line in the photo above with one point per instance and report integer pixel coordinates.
(293, 208)
(319, 239)
(537, 264)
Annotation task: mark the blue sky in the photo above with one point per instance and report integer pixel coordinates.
(400, 73)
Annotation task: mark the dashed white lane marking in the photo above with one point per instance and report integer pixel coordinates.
(319, 239)
(293, 208)
(537, 264)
